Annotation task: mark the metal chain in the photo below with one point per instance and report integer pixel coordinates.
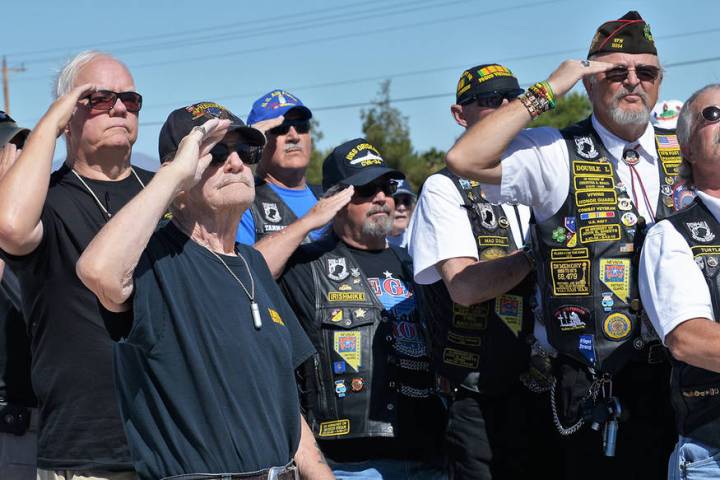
(251, 293)
(97, 200)
(593, 391)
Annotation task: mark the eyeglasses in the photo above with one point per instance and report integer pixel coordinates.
(494, 99)
(250, 155)
(389, 187)
(711, 114)
(645, 73)
(404, 199)
(105, 100)
(301, 126)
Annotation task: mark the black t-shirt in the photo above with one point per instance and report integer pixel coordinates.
(420, 420)
(80, 425)
(15, 384)
(200, 389)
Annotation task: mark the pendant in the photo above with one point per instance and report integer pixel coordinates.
(257, 321)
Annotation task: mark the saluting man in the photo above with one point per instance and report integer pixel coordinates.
(593, 187)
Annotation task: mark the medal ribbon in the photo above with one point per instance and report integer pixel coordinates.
(631, 158)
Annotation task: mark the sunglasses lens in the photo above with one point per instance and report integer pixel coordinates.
(300, 127)
(371, 189)
(617, 74)
(490, 101)
(219, 153)
(102, 100)
(711, 113)
(131, 100)
(248, 154)
(647, 73)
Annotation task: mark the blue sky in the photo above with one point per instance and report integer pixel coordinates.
(333, 54)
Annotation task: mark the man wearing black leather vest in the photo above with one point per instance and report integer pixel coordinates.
(593, 187)
(466, 258)
(367, 394)
(681, 293)
(283, 198)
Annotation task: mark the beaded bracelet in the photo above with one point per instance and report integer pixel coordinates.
(538, 98)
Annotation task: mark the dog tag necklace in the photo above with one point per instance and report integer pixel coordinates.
(97, 200)
(254, 309)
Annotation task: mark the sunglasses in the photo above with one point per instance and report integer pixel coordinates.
(301, 126)
(250, 155)
(645, 73)
(105, 100)
(406, 200)
(389, 187)
(494, 99)
(711, 114)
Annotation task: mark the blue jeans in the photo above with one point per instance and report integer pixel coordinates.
(386, 469)
(693, 460)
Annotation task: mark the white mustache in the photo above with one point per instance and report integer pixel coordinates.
(379, 209)
(291, 147)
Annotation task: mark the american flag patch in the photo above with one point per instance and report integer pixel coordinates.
(667, 141)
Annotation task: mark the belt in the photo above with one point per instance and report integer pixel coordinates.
(288, 472)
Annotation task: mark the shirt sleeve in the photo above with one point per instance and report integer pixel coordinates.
(246, 229)
(440, 229)
(534, 172)
(149, 311)
(672, 287)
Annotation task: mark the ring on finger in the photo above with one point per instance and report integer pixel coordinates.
(201, 128)
(585, 63)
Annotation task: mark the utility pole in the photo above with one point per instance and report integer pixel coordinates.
(5, 81)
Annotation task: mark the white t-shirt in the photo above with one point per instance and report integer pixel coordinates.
(672, 287)
(536, 171)
(440, 228)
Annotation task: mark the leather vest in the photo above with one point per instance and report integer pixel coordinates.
(270, 212)
(696, 391)
(364, 361)
(483, 347)
(588, 254)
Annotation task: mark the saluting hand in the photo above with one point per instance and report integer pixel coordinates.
(63, 108)
(327, 207)
(570, 71)
(193, 153)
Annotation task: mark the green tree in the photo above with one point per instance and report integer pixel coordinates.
(314, 170)
(570, 109)
(385, 127)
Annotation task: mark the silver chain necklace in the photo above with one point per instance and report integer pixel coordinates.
(97, 200)
(257, 321)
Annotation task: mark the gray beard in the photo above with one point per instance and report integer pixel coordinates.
(378, 228)
(624, 117)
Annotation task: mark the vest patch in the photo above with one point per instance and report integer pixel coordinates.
(572, 317)
(617, 326)
(700, 231)
(571, 278)
(474, 317)
(510, 310)
(272, 213)
(349, 346)
(461, 358)
(615, 274)
(600, 233)
(334, 428)
(346, 296)
(337, 269)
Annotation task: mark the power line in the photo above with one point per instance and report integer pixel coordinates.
(184, 34)
(285, 45)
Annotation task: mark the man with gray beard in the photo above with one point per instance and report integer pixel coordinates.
(594, 187)
(367, 393)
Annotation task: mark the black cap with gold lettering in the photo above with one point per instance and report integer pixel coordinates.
(629, 34)
(485, 80)
(355, 162)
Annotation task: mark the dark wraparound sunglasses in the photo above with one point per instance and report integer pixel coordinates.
(389, 187)
(105, 100)
(301, 126)
(404, 199)
(711, 114)
(494, 99)
(250, 155)
(645, 73)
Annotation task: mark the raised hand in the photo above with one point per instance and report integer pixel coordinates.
(193, 153)
(570, 71)
(62, 109)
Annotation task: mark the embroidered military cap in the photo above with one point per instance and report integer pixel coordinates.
(485, 80)
(629, 34)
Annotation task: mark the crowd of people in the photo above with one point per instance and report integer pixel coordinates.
(543, 307)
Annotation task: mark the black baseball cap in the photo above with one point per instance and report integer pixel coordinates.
(181, 121)
(629, 34)
(9, 129)
(484, 80)
(355, 163)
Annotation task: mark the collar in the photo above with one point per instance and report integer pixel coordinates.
(616, 145)
(712, 203)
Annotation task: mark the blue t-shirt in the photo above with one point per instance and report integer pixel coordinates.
(200, 389)
(299, 201)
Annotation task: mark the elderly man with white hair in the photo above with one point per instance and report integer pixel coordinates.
(47, 220)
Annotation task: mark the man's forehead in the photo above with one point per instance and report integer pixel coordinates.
(707, 98)
(107, 74)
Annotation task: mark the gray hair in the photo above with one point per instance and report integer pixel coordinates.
(685, 128)
(65, 80)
